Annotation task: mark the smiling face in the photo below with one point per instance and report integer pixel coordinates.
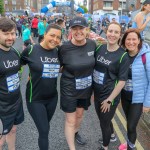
(7, 38)
(132, 41)
(52, 38)
(79, 33)
(113, 34)
(147, 7)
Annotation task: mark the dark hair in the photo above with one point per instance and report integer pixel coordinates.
(59, 21)
(130, 31)
(44, 18)
(7, 24)
(53, 26)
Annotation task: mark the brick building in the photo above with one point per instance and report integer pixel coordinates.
(113, 6)
(14, 5)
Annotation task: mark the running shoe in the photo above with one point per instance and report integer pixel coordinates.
(79, 139)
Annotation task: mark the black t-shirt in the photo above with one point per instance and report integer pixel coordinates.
(44, 69)
(10, 95)
(109, 69)
(78, 63)
(128, 88)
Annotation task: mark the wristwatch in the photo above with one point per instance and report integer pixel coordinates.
(109, 102)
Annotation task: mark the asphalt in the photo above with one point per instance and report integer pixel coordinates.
(27, 135)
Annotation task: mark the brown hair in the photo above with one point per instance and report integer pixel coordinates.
(7, 24)
(143, 7)
(130, 31)
(116, 23)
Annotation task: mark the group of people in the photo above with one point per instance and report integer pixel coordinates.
(115, 70)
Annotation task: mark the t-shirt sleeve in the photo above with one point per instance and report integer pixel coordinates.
(124, 68)
(25, 56)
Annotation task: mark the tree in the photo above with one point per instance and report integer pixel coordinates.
(2, 7)
(84, 8)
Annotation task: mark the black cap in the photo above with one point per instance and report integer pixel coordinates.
(78, 21)
(146, 2)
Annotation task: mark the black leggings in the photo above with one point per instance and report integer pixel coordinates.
(133, 113)
(105, 122)
(19, 31)
(42, 113)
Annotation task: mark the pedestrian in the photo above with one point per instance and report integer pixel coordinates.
(110, 74)
(142, 19)
(41, 29)
(11, 109)
(61, 23)
(26, 36)
(135, 96)
(34, 26)
(41, 92)
(77, 59)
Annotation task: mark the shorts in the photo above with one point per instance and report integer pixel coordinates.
(27, 42)
(15, 118)
(70, 105)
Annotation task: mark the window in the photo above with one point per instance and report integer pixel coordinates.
(122, 5)
(14, 2)
(108, 4)
(6, 2)
(95, 6)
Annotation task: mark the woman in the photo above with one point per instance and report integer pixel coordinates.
(43, 63)
(135, 96)
(109, 77)
(77, 59)
(141, 19)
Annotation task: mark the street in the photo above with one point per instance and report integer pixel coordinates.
(27, 136)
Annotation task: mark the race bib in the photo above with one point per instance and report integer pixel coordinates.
(83, 83)
(98, 77)
(128, 86)
(50, 70)
(13, 82)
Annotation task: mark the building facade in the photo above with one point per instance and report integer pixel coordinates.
(113, 7)
(11, 5)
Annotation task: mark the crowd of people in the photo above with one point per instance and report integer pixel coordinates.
(115, 69)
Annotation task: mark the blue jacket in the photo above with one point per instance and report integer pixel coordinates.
(141, 78)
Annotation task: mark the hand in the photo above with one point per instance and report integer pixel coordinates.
(105, 106)
(146, 109)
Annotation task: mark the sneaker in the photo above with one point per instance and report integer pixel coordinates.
(112, 139)
(79, 139)
(129, 148)
(123, 146)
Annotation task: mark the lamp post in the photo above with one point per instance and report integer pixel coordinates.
(72, 8)
(121, 8)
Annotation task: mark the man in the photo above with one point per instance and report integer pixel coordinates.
(11, 110)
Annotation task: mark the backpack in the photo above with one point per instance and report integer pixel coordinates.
(144, 60)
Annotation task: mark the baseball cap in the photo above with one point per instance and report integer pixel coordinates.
(78, 21)
(146, 2)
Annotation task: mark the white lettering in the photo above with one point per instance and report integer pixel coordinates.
(9, 64)
(103, 60)
(49, 60)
